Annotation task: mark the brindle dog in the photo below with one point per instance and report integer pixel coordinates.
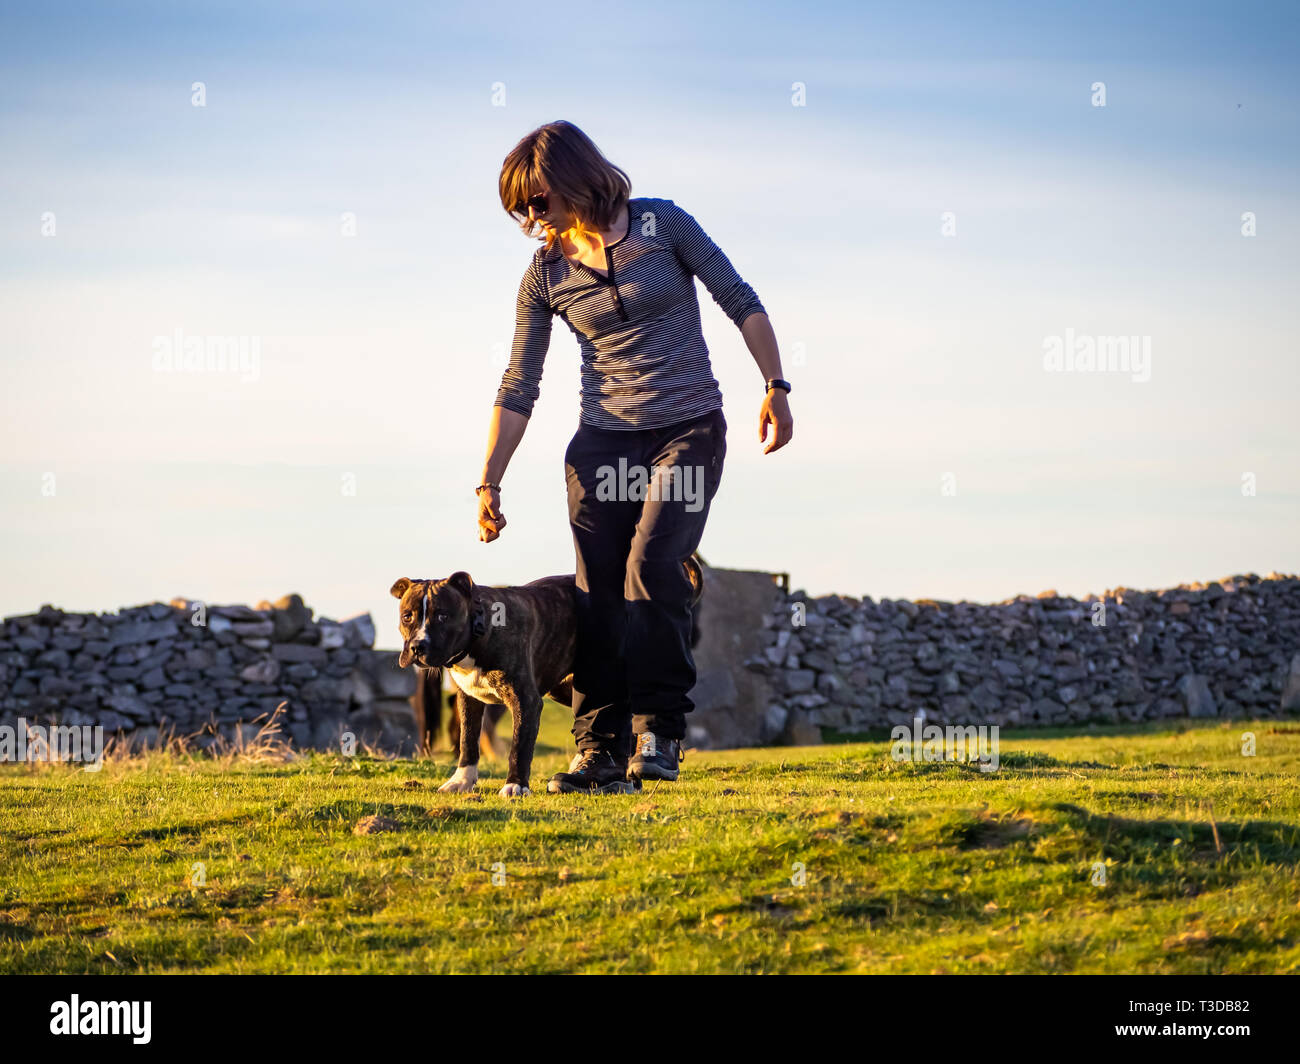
(505, 647)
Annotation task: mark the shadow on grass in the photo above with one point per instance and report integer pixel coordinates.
(32, 836)
(1148, 864)
(189, 829)
(442, 816)
(11, 931)
(349, 812)
(1271, 841)
(793, 912)
(1011, 764)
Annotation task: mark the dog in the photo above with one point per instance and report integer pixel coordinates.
(492, 715)
(506, 648)
(428, 706)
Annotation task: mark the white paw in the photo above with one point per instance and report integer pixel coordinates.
(513, 790)
(462, 781)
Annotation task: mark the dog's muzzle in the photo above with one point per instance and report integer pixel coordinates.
(477, 628)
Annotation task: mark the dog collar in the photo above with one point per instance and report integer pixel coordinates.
(478, 626)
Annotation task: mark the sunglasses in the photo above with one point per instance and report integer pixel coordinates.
(539, 203)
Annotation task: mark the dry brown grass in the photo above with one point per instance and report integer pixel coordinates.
(267, 746)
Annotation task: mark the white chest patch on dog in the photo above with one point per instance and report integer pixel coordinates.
(466, 675)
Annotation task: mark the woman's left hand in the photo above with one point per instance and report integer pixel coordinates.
(776, 412)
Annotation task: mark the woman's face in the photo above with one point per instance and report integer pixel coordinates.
(556, 218)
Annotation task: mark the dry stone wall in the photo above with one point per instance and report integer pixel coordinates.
(196, 668)
(1228, 648)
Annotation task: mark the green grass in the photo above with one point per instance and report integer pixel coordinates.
(909, 867)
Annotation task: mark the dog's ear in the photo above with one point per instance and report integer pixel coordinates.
(461, 581)
(399, 589)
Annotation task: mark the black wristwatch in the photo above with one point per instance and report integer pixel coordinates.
(777, 382)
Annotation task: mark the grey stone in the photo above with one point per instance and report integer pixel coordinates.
(356, 688)
(296, 652)
(1291, 690)
(309, 636)
(153, 679)
(258, 629)
(774, 720)
(135, 632)
(395, 682)
(266, 671)
(323, 689)
(836, 688)
(799, 680)
(233, 709)
(112, 722)
(1196, 696)
(332, 636)
(129, 705)
(957, 708)
(234, 613)
(290, 616)
(1006, 669)
(57, 686)
(1047, 709)
(326, 731)
(394, 711)
(819, 660)
(199, 657)
(359, 631)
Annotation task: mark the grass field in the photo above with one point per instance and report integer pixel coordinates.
(909, 867)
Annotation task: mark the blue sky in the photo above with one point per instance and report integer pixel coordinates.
(913, 354)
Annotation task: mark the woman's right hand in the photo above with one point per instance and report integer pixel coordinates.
(490, 518)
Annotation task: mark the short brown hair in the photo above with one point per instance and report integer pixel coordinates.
(562, 158)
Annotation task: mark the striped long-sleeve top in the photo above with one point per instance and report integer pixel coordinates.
(644, 360)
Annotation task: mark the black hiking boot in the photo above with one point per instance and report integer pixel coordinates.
(655, 758)
(593, 772)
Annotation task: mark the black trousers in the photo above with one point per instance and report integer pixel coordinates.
(638, 501)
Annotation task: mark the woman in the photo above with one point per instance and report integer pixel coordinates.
(647, 456)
